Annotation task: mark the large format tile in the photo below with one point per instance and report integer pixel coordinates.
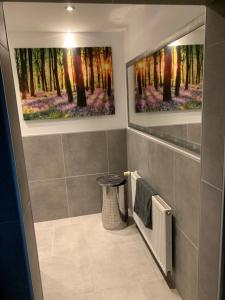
(44, 157)
(131, 292)
(213, 148)
(186, 267)
(194, 133)
(154, 162)
(213, 121)
(187, 196)
(161, 171)
(211, 206)
(85, 153)
(158, 290)
(117, 150)
(215, 30)
(89, 262)
(66, 274)
(48, 199)
(84, 195)
(138, 153)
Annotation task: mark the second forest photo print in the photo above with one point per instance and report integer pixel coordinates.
(170, 79)
(65, 83)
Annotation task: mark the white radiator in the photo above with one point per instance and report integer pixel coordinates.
(159, 238)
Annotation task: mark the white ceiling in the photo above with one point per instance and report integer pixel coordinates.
(52, 17)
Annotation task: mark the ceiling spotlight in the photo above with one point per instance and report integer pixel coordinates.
(69, 8)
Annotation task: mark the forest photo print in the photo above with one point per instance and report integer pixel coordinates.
(170, 79)
(64, 83)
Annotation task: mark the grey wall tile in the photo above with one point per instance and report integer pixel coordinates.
(209, 240)
(85, 153)
(202, 295)
(187, 196)
(138, 153)
(44, 157)
(178, 131)
(161, 171)
(154, 162)
(186, 267)
(194, 133)
(215, 32)
(84, 195)
(213, 148)
(213, 120)
(117, 150)
(48, 199)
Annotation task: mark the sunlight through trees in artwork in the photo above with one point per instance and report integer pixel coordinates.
(64, 83)
(170, 79)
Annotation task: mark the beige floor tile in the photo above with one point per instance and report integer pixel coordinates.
(80, 260)
(69, 275)
(125, 293)
(44, 238)
(66, 238)
(158, 290)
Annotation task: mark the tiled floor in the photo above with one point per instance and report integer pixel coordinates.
(80, 260)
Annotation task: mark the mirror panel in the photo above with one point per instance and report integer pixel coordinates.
(165, 91)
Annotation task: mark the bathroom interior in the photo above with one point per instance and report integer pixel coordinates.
(88, 94)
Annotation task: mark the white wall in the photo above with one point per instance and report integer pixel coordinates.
(150, 26)
(44, 39)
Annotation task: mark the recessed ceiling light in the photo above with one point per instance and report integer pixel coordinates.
(69, 8)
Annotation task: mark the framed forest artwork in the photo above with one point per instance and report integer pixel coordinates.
(65, 83)
(170, 79)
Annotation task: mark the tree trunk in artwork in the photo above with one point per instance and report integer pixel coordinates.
(92, 79)
(160, 68)
(26, 73)
(192, 65)
(37, 67)
(86, 67)
(55, 71)
(167, 74)
(81, 97)
(187, 67)
(23, 74)
(139, 82)
(67, 76)
(50, 69)
(18, 67)
(43, 75)
(178, 74)
(109, 89)
(156, 77)
(30, 59)
(98, 67)
(198, 73)
(149, 72)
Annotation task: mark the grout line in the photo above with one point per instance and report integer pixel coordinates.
(65, 181)
(212, 185)
(187, 237)
(67, 177)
